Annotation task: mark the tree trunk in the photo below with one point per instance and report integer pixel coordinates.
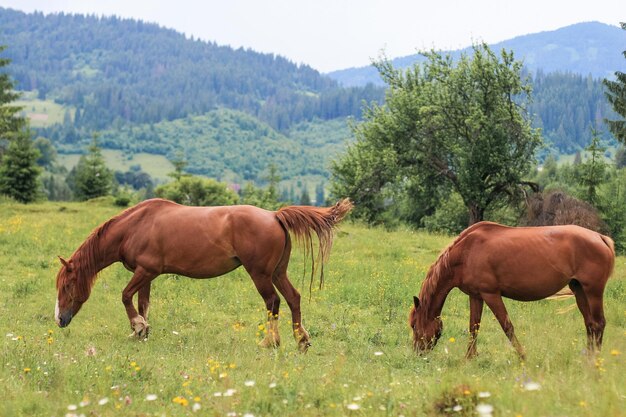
(476, 213)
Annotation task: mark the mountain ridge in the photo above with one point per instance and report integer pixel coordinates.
(583, 48)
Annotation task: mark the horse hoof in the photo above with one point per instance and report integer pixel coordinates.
(304, 346)
(267, 344)
(140, 328)
(143, 333)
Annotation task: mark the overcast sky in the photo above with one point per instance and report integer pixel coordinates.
(337, 34)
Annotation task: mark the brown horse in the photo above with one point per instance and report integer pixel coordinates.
(159, 236)
(488, 261)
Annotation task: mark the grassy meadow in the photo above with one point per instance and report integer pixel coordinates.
(158, 166)
(42, 113)
(202, 356)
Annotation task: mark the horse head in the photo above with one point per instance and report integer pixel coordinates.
(425, 332)
(70, 293)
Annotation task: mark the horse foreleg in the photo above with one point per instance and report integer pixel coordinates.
(143, 301)
(292, 296)
(495, 303)
(476, 312)
(138, 323)
(264, 285)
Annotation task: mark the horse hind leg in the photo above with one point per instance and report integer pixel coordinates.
(589, 301)
(292, 296)
(263, 283)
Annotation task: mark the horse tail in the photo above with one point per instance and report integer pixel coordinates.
(303, 221)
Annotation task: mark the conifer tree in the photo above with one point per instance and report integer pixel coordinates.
(19, 169)
(10, 122)
(592, 175)
(92, 178)
(616, 95)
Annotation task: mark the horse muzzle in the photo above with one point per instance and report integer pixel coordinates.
(64, 319)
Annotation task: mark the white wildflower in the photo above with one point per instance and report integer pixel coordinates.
(484, 410)
(532, 386)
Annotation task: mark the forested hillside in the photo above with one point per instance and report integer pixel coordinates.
(227, 145)
(116, 70)
(231, 113)
(567, 106)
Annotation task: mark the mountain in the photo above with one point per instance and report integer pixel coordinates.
(584, 48)
(232, 113)
(114, 70)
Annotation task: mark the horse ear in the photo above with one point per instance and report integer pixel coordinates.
(66, 264)
(416, 301)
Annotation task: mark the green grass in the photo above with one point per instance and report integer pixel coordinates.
(205, 333)
(158, 166)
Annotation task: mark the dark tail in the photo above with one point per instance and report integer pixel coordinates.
(303, 221)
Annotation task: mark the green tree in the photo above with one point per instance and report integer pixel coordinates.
(47, 152)
(592, 170)
(179, 163)
(460, 126)
(305, 199)
(320, 196)
(197, 191)
(616, 95)
(612, 196)
(11, 124)
(19, 171)
(271, 193)
(91, 177)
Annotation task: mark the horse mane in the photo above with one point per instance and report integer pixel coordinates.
(87, 257)
(441, 268)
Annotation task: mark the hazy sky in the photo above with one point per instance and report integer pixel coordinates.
(336, 34)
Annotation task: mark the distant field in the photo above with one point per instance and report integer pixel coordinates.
(202, 354)
(569, 158)
(42, 113)
(158, 166)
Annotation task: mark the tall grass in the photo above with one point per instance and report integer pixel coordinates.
(202, 353)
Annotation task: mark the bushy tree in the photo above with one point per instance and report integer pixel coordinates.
(459, 126)
(616, 95)
(197, 191)
(91, 178)
(19, 170)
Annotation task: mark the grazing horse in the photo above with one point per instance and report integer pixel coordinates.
(488, 261)
(158, 236)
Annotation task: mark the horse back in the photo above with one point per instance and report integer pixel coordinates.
(529, 263)
(199, 241)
